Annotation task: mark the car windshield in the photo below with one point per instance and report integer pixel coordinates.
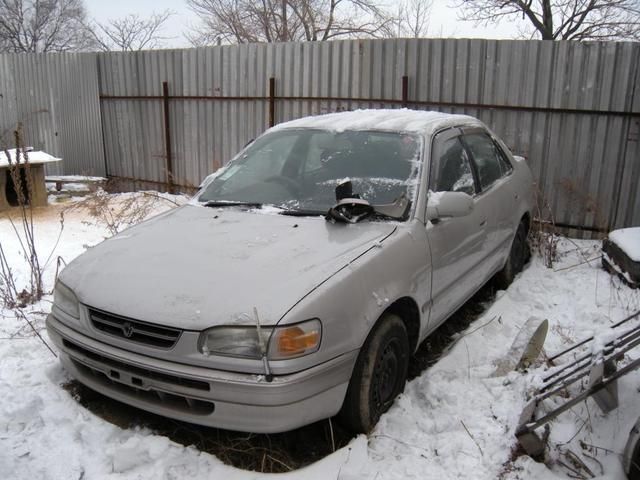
(298, 170)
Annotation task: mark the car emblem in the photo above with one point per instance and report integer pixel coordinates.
(127, 329)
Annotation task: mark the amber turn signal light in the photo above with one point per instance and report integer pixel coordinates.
(296, 340)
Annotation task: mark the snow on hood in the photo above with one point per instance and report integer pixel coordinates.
(399, 119)
(197, 267)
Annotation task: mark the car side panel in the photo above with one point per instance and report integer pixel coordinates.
(514, 200)
(356, 297)
(458, 251)
(501, 223)
(521, 199)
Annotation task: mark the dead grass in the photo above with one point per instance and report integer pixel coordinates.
(115, 212)
(40, 214)
(13, 295)
(272, 453)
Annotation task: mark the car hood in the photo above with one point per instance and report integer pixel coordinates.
(198, 267)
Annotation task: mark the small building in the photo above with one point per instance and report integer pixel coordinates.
(9, 191)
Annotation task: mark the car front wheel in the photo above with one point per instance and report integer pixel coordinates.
(379, 375)
(518, 256)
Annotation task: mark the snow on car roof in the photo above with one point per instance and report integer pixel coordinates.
(403, 120)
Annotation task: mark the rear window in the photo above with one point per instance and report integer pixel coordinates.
(488, 157)
(454, 173)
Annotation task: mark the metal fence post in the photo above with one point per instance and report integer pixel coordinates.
(167, 135)
(272, 102)
(405, 91)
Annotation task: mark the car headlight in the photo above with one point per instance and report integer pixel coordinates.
(65, 300)
(287, 341)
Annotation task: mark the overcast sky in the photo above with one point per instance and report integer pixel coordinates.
(443, 22)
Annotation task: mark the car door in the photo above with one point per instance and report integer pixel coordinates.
(494, 171)
(458, 245)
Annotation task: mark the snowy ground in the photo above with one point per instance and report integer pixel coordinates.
(455, 420)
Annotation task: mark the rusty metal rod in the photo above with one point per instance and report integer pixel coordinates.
(583, 396)
(167, 135)
(610, 347)
(272, 102)
(405, 91)
(570, 226)
(586, 340)
(407, 102)
(615, 356)
(152, 182)
(180, 97)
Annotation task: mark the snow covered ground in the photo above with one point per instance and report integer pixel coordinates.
(455, 420)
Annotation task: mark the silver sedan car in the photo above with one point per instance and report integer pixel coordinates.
(303, 275)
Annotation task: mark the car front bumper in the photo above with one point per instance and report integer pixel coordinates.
(204, 396)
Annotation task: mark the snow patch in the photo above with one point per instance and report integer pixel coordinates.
(397, 120)
(33, 157)
(628, 239)
(453, 421)
(434, 198)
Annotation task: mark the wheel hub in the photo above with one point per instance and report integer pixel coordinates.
(387, 375)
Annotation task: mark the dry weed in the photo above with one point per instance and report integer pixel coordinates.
(116, 212)
(11, 294)
(543, 234)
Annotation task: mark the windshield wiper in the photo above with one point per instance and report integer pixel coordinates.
(353, 209)
(231, 203)
(303, 213)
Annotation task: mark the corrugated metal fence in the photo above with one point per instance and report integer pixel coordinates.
(56, 98)
(571, 108)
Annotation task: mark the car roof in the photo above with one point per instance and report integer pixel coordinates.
(395, 120)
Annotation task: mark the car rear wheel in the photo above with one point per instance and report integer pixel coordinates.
(379, 375)
(518, 256)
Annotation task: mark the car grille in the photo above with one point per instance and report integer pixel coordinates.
(108, 372)
(134, 330)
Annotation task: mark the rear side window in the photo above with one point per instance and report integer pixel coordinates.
(453, 172)
(489, 158)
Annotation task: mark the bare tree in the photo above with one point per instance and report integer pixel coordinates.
(131, 32)
(562, 19)
(42, 25)
(413, 18)
(247, 21)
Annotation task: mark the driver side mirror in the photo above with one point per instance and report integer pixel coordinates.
(448, 204)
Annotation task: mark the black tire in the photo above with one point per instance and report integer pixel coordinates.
(518, 256)
(379, 375)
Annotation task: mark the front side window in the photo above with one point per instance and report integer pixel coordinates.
(488, 158)
(300, 169)
(453, 170)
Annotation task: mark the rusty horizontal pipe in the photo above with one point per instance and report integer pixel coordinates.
(392, 101)
(152, 182)
(182, 97)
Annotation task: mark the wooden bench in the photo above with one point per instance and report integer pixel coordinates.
(60, 181)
